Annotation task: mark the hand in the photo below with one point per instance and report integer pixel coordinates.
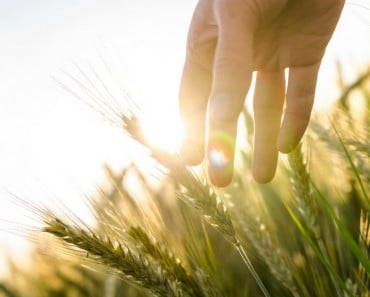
(228, 40)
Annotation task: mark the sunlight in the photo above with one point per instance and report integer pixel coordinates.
(164, 133)
(51, 146)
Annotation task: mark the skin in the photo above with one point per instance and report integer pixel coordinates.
(229, 40)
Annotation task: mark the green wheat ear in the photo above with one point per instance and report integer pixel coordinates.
(303, 192)
(307, 202)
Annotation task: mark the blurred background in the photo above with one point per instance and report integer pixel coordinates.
(51, 145)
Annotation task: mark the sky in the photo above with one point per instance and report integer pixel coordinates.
(51, 145)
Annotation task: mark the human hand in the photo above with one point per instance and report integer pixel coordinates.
(227, 41)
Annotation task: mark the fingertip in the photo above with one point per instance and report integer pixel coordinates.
(268, 104)
(285, 144)
(223, 113)
(220, 180)
(263, 171)
(262, 177)
(220, 157)
(299, 102)
(289, 137)
(192, 151)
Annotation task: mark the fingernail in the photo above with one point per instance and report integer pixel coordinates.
(220, 156)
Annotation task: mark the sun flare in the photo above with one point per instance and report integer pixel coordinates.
(165, 133)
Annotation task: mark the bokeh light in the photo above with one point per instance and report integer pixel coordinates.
(220, 151)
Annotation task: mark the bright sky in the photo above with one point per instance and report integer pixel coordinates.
(51, 145)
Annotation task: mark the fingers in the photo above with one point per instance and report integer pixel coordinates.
(196, 82)
(231, 80)
(194, 93)
(268, 103)
(299, 102)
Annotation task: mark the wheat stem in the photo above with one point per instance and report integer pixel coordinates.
(250, 266)
(364, 242)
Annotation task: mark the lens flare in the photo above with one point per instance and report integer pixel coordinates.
(220, 150)
(219, 158)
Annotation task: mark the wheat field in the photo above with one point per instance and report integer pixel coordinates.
(305, 234)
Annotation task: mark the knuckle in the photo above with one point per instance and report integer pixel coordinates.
(231, 65)
(200, 51)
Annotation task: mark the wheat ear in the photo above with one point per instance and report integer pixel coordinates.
(130, 265)
(259, 236)
(197, 193)
(306, 200)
